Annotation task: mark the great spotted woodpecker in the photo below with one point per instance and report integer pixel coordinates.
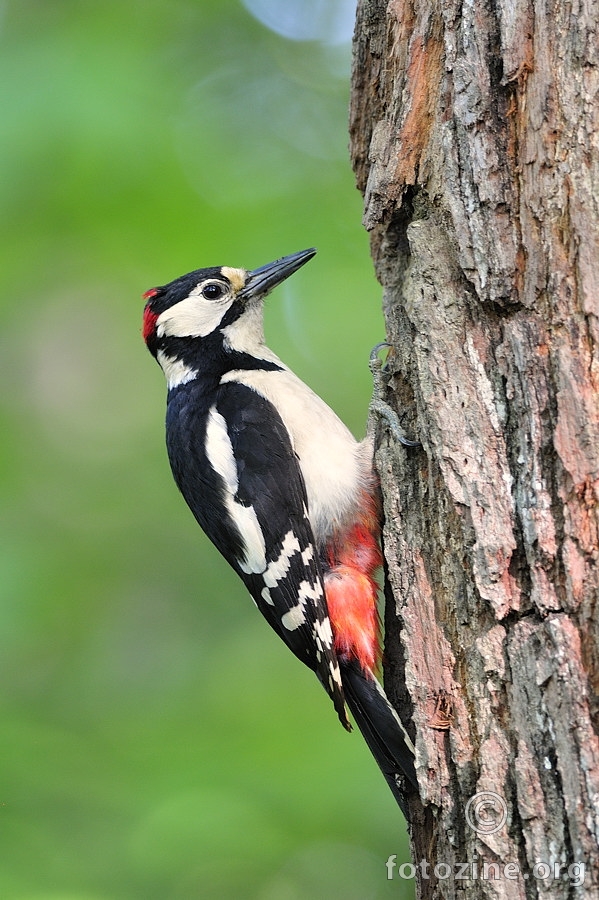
(280, 486)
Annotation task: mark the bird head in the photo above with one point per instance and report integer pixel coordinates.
(220, 305)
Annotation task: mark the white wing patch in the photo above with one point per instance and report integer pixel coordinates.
(175, 370)
(220, 456)
(220, 451)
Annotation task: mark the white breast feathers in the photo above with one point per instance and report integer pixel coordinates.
(334, 465)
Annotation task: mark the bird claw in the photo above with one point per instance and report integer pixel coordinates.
(380, 407)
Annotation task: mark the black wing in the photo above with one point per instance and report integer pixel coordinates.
(249, 496)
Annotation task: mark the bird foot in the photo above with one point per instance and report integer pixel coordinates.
(378, 406)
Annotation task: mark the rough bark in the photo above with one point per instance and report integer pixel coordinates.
(474, 137)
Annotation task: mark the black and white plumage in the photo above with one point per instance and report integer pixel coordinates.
(279, 485)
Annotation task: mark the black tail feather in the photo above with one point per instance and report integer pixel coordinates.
(381, 728)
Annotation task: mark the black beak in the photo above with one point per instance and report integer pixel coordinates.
(261, 281)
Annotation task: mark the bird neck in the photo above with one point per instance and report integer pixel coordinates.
(207, 360)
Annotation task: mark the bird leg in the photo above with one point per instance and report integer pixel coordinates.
(379, 407)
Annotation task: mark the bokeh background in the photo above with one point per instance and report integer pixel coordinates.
(157, 741)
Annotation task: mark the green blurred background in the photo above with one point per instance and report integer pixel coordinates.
(157, 740)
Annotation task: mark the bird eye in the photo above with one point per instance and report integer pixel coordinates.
(213, 291)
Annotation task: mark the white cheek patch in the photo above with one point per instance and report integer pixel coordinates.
(220, 456)
(193, 317)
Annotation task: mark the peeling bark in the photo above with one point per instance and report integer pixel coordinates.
(475, 142)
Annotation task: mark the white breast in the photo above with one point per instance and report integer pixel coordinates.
(334, 465)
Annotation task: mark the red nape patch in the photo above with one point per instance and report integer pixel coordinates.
(351, 599)
(149, 323)
(149, 294)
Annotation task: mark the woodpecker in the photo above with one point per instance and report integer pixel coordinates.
(280, 486)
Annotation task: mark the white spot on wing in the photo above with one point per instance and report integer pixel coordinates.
(175, 370)
(309, 591)
(324, 632)
(294, 618)
(220, 456)
(308, 554)
(266, 596)
(278, 568)
(335, 675)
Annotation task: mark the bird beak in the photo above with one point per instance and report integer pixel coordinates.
(260, 281)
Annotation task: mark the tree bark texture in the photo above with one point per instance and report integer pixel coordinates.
(475, 141)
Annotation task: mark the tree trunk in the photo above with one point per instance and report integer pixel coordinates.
(474, 137)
